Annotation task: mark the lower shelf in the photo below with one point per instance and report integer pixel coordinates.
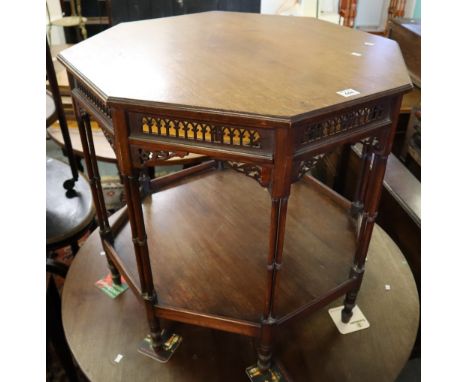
(208, 244)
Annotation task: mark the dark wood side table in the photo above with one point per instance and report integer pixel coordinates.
(98, 329)
(266, 96)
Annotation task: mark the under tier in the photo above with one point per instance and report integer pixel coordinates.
(208, 244)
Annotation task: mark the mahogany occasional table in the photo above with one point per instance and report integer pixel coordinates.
(266, 96)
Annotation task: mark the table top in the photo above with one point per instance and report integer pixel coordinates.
(312, 349)
(244, 64)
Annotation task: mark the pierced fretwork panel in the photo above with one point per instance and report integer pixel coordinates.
(94, 100)
(203, 132)
(145, 158)
(260, 174)
(109, 137)
(349, 120)
(302, 167)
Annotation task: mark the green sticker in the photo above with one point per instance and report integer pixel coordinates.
(109, 288)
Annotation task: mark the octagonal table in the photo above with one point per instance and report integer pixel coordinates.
(267, 97)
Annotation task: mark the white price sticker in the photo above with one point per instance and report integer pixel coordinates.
(348, 92)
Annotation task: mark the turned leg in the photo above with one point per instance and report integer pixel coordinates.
(358, 203)
(277, 230)
(264, 352)
(368, 219)
(84, 127)
(137, 225)
(376, 152)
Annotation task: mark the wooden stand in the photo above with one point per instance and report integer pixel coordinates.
(224, 271)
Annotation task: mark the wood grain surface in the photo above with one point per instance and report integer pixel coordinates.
(99, 328)
(238, 62)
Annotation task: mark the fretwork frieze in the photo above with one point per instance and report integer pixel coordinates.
(304, 166)
(94, 100)
(200, 132)
(188, 130)
(349, 120)
(144, 158)
(251, 170)
(109, 137)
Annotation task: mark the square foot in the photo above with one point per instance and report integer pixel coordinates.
(273, 374)
(357, 322)
(109, 288)
(171, 343)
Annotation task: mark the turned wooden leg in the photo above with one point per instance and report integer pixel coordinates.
(264, 352)
(351, 296)
(358, 203)
(375, 152)
(137, 225)
(86, 137)
(368, 219)
(277, 229)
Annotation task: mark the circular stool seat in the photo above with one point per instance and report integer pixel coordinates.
(66, 218)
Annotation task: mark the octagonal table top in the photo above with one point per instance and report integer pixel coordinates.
(262, 66)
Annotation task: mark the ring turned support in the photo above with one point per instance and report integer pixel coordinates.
(84, 127)
(380, 152)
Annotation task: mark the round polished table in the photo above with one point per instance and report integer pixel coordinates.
(98, 329)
